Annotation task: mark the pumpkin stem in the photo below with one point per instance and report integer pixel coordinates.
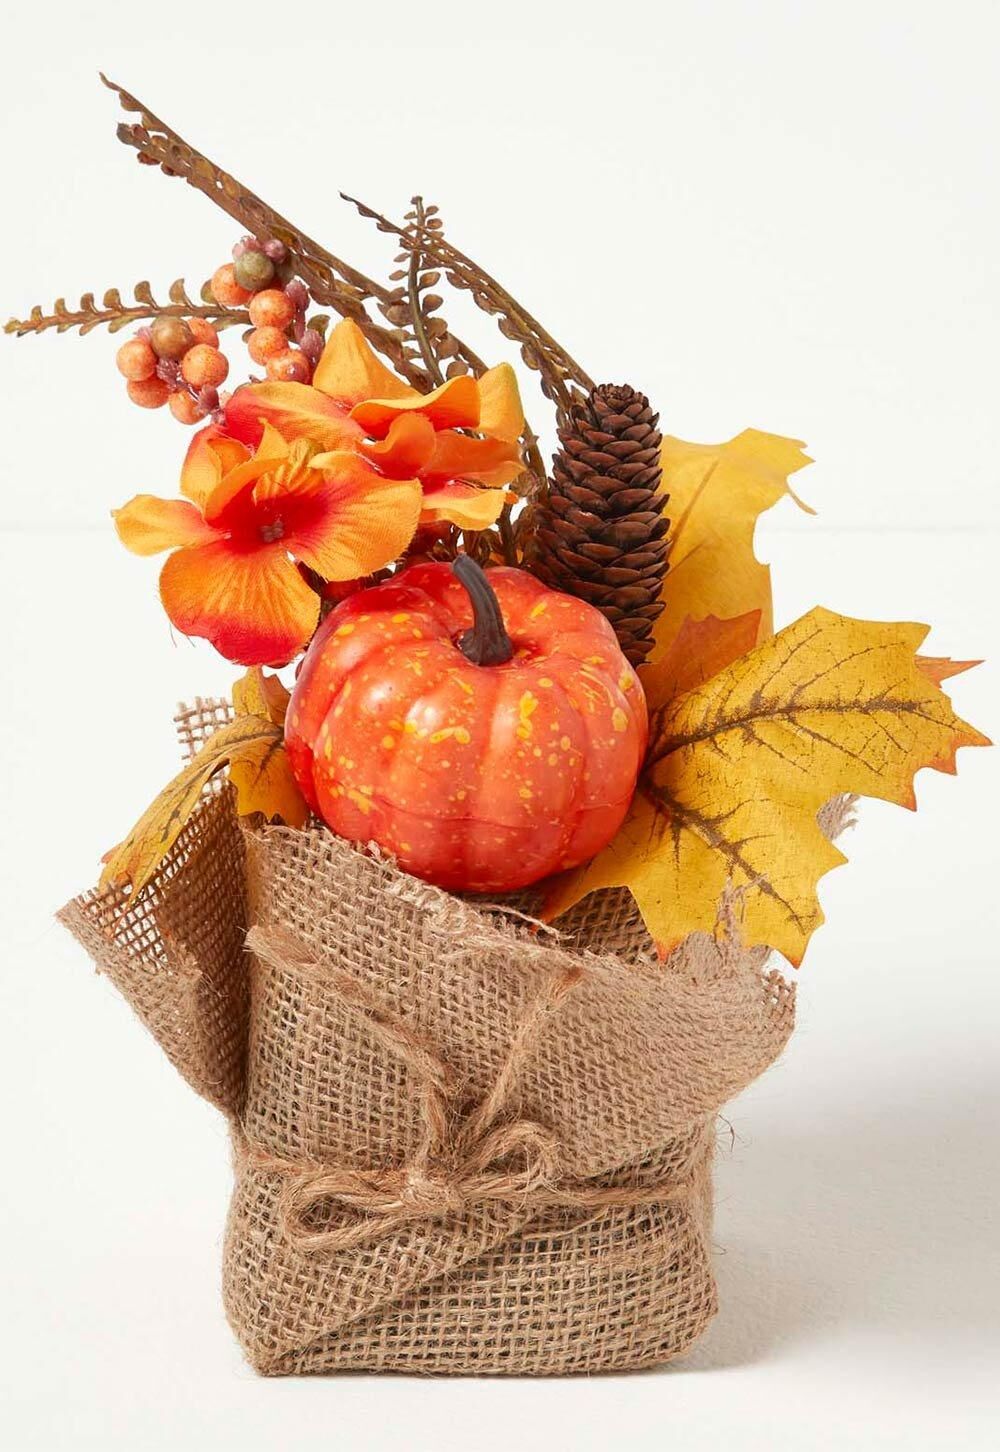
(487, 643)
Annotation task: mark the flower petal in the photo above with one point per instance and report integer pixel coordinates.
(486, 461)
(210, 454)
(272, 445)
(296, 410)
(146, 525)
(252, 604)
(406, 449)
(350, 371)
(453, 405)
(463, 504)
(344, 520)
(501, 413)
(272, 451)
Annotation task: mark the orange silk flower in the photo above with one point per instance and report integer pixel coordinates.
(249, 519)
(355, 402)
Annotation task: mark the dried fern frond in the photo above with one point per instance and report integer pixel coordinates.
(415, 311)
(561, 375)
(113, 313)
(332, 281)
(415, 308)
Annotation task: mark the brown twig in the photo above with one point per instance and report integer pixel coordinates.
(507, 540)
(533, 455)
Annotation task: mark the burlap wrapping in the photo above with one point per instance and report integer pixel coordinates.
(461, 1143)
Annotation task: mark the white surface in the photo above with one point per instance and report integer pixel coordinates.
(805, 194)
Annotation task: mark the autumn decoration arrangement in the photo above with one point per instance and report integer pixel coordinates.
(460, 907)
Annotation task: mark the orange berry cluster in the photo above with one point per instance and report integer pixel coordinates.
(176, 361)
(276, 301)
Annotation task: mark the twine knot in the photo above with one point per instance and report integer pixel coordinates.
(487, 1161)
(426, 1194)
(514, 1163)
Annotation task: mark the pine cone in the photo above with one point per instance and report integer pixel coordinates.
(601, 534)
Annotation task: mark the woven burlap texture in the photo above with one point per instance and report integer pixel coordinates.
(462, 1143)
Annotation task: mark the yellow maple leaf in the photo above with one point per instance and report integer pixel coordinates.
(263, 780)
(740, 765)
(258, 694)
(717, 493)
(244, 739)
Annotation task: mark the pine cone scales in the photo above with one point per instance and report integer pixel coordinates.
(601, 534)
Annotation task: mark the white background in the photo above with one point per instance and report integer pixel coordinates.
(782, 215)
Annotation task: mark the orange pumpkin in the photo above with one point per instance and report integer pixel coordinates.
(483, 729)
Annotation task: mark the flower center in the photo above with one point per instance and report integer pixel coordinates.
(273, 531)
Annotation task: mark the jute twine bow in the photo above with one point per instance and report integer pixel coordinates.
(516, 1163)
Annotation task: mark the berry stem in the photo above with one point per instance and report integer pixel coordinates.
(487, 643)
